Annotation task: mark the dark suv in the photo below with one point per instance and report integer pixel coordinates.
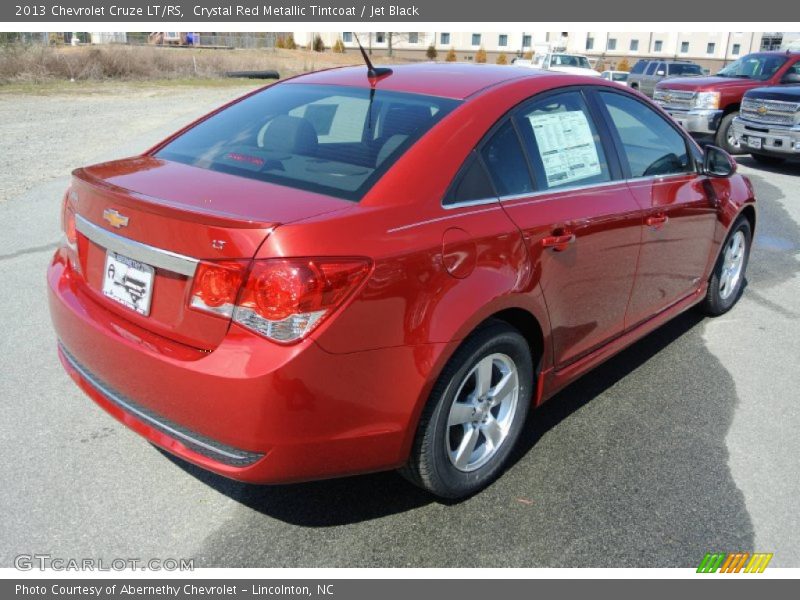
(646, 74)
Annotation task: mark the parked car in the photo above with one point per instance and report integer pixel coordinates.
(768, 125)
(353, 273)
(645, 80)
(706, 106)
(620, 77)
(574, 64)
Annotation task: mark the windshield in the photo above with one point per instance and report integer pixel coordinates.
(685, 70)
(620, 76)
(568, 60)
(754, 66)
(323, 138)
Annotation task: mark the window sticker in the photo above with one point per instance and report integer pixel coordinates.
(566, 146)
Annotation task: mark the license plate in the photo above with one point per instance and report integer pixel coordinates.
(128, 282)
(754, 142)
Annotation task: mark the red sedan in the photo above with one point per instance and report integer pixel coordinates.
(346, 272)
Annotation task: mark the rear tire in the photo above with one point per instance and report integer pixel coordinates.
(474, 415)
(724, 138)
(727, 280)
(768, 160)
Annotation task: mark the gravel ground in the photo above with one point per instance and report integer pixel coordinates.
(683, 444)
(46, 136)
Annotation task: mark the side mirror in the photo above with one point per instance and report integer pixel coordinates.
(793, 77)
(717, 162)
(660, 73)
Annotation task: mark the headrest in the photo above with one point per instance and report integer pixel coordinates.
(290, 134)
(404, 119)
(389, 146)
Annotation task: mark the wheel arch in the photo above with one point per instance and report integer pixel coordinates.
(534, 328)
(748, 212)
(528, 325)
(732, 107)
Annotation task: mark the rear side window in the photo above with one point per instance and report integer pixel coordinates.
(650, 144)
(506, 162)
(471, 184)
(333, 140)
(563, 142)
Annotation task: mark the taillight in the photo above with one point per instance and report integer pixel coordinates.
(215, 287)
(285, 299)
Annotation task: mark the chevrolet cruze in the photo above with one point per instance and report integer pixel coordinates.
(355, 271)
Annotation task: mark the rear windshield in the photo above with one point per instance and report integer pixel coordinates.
(334, 140)
(685, 69)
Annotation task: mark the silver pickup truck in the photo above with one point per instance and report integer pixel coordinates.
(768, 125)
(644, 77)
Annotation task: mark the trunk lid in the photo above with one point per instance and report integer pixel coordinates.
(169, 216)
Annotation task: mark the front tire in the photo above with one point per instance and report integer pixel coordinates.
(474, 415)
(727, 280)
(724, 138)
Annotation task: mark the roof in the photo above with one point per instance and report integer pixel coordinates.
(449, 80)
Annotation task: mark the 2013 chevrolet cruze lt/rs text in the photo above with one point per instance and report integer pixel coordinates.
(345, 273)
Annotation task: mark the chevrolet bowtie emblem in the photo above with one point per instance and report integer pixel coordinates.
(115, 219)
(762, 110)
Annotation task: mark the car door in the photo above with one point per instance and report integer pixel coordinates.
(581, 224)
(680, 205)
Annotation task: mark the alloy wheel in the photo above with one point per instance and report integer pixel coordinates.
(481, 415)
(733, 262)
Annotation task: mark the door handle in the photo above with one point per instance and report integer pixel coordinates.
(656, 221)
(558, 242)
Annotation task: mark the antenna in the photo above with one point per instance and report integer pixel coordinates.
(372, 72)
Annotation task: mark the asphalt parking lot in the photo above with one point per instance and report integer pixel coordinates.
(683, 444)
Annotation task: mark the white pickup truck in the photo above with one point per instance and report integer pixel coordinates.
(574, 64)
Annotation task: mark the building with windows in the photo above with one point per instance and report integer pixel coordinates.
(711, 50)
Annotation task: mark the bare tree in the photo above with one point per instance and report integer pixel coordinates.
(391, 36)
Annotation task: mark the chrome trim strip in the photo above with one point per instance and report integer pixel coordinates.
(156, 257)
(444, 218)
(224, 454)
(468, 203)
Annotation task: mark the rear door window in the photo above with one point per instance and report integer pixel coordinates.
(329, 139)
(563, 142)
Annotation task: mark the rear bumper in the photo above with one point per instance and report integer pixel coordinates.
(698, 121)
(774, 140)
(249, 410)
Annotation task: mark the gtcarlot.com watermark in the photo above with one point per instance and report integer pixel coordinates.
(47, 562)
